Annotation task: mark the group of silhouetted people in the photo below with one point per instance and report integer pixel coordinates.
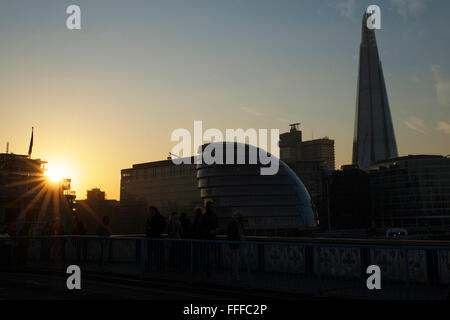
(204, 226)
(206, 255)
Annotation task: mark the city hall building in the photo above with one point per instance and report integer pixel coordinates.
(276, 204)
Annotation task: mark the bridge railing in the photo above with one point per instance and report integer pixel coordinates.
(319, 269)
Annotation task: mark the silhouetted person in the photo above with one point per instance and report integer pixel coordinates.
(208, 222)
(198, 247)
(235, 231)
(103, 229)
(185, 246)
(156, 224)
(154, 228)
(79, 228)
(174, 229)
(174, 232)
(208, 230)
(186, 224)
(196, 234)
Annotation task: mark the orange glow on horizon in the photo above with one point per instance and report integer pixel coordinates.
(56, 172)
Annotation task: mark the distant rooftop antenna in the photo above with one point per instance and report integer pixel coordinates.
(7, 147)
(294, 126)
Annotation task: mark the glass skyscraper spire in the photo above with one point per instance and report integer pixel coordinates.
(374, 137)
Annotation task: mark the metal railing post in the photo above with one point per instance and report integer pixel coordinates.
(68, 245)
(192, 257)
(102, 260)
(11, 254)
(406, 270)
(319, 279)
(39, 250)
(438, 268)
(143, 249)
(248, 266)
(448, 273)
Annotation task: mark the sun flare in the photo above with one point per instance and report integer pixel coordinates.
(55, 174)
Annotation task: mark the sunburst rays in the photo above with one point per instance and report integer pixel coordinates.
(38, 196)
(33, 198)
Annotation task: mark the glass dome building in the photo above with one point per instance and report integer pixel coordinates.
(276, 204)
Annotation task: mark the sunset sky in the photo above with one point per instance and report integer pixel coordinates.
(110, 95)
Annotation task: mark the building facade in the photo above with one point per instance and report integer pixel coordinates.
(374, 138)
(311, 173)
(291, 144)
(349, 200)
(90, 212)
(276, 204)
(293, 149)
(163, 184)
(311, 161)
(28, 200)
(411, 191)
(321, 150)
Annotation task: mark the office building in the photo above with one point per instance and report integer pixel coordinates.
(374, 138)
(411, 191)
(290, 144)
(162, 184)
(310, 160)
(348, 200)
(293, 149)
(321, 150)
(92, 210)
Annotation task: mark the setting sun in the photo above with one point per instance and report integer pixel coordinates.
(55, 174)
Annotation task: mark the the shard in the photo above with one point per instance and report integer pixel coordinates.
(374, 137)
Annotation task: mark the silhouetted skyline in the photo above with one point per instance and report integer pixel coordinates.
(110, 94)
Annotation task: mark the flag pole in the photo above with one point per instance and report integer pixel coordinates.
(30, 149)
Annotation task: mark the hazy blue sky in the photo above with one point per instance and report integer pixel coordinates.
(110, 94)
